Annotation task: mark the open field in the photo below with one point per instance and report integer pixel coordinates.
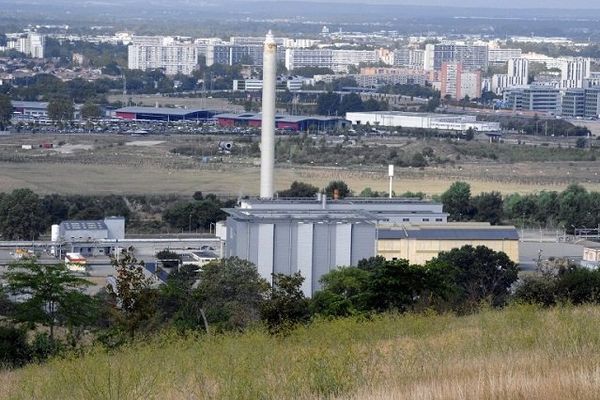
(103, 164)
(519, 353)
(63, 178)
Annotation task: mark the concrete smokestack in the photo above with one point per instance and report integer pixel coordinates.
(267, 137)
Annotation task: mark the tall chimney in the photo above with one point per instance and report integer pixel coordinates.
(267, 137)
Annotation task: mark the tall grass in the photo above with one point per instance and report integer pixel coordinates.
(521, 352)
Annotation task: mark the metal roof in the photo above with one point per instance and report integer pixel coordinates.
(30, 104)
(92, 225)
(161, 110)
(279, 118)
(436, 233)
(246, 214)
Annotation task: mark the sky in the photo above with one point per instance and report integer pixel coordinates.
(570, 4)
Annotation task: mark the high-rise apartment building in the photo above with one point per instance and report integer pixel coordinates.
(147, 53)
(31, 44)
(574, 72)
(470, 56)
(337, 60)
(458, 82)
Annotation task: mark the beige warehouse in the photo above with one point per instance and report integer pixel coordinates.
(419, 244)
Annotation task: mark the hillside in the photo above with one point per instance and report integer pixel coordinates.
(520, 352)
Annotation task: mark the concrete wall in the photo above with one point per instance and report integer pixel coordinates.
(420, 251)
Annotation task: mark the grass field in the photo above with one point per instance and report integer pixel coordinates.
(103, 164)
(67, 178)
(518, 353)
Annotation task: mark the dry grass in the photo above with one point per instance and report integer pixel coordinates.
(74, 178)
(518, 353)
(111, 166)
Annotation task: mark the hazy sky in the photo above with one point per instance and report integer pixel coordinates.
(585, 4)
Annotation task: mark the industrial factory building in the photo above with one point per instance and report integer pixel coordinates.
(285, 122)
(420, 243)
(314, 236)
(310, 242)
(86, 237)
(164, 114)
(447, 122)
(393, 211)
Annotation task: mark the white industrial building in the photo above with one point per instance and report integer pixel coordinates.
(447, 122)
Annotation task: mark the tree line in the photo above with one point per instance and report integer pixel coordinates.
(228, 295)
(574, 207)
(24, 215)
(56, 317)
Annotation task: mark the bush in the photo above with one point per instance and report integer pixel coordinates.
(14, 350)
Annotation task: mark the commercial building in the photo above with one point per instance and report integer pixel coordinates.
(449, 122)
(150, 52)
(420, 243)
(284, 122)
(283, 83)
(573, 103)
(164, 114)
(545, 99)
(30, 109)
(592, 103)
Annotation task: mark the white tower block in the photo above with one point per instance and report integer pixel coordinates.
(267, 138)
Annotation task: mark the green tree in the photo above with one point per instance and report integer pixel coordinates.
(299, 189)
(90, 111)
(21, 215)
(178, 302)
(328, 104)
(14, 349)
(61, 109)
(337, 187)
(285, 305)
(488, 207)
(169, 259)
(350, 103)
(133, 298)
(6, 110)
(230, 291)
(49, 291)
(469, 134)
(477, 274)
(457, 201)
(573, 207)
(343, 293)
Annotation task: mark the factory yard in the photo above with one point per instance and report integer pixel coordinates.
(104, 164)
